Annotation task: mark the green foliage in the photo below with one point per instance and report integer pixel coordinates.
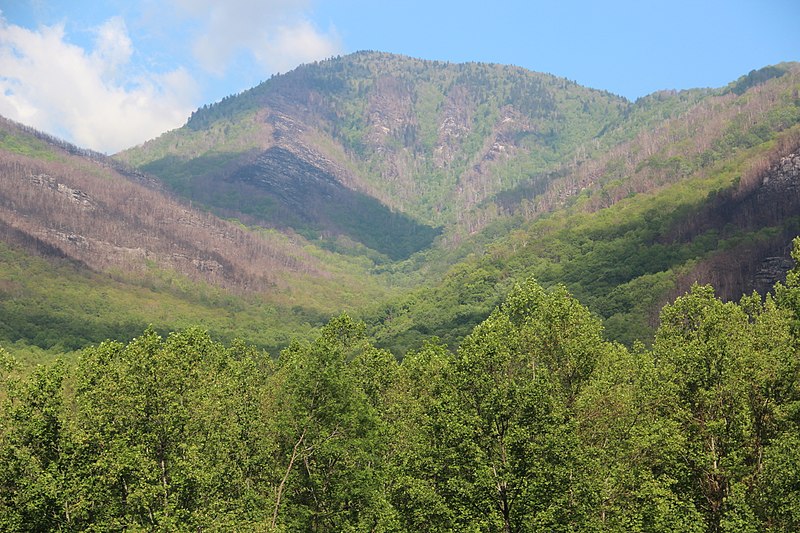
(326, 433)
(756, 77)
(518, 415)
(535, 423)
(51, 307)
(31, 441)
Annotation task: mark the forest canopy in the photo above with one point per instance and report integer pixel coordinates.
(535, 423)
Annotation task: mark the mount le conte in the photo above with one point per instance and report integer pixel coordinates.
(412, 194)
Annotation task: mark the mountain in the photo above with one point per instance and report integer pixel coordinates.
(412, 146)
(92, 249)
(412, 193)
(520, 173)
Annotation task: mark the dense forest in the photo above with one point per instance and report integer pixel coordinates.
(535, 423)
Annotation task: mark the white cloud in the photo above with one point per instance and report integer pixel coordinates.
(109, 95)
(113, 46)
(276, 33)
(88, 97)
(290, 46)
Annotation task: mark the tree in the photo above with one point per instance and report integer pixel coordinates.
(166, 432)
(419, 456)
(497, 425)
(633, 448)
(325, 432)
(733, 370)
(32, 440)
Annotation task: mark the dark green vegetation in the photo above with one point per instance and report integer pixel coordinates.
(536, 423)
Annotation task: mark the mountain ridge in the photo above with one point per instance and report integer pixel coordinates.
(423, 148)
(502, 174)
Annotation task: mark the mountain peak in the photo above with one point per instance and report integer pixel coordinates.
(428, 140)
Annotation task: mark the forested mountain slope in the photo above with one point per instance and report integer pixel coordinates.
(708, 194)
(92, 250)
(415, 194)
(412, 145)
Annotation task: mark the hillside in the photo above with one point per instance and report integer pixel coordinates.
(92, 250)
(412, 145)
(411, 193)
(708, 195)
(520, 173)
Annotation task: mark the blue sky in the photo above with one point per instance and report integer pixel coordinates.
(112, 74)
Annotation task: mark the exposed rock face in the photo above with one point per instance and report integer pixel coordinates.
(772, 201)
(780, 187)
(771, 271)
(291, 178)
(780, 194)
(456, 122)
(74, 195)
(390, 112)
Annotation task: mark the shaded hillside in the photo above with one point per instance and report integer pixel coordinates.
(295, 194)
(426, 139)
(90, 253)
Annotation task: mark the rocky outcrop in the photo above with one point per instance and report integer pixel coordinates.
(770, 201)
(455, 125)
(771, 271)
(784, 176)
(390, 113)
(75, 195)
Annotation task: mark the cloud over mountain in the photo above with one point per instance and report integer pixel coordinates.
(276, 33)
(96, 98)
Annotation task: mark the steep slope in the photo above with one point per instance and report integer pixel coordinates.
(104, 230)
(414, 145)
(708, 195)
